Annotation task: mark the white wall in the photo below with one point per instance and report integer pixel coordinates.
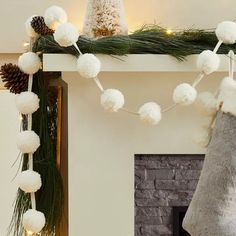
(102, 145)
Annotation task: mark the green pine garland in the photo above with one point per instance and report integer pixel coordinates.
(147, 40)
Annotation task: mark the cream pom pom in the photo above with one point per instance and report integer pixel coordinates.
(184, 94)
(29, 181)
(66, 35)
(202, 137)
(227, 96)
(33, 221)
(226, 32)
(29, 29)
(206, 103)
(208, 62)
(54, 16)
(27, 102)
(112, 100)
(88, 65)
(29, 63)
(28, 141)
(150, 113)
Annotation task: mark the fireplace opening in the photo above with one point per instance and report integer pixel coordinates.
(178, 216)
(163, 185)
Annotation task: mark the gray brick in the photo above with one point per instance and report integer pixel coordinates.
(187, 174)
(160, 174)
(144, 193)
(145, 185)
(148, 211)
(148, 220)
(171, 184)
(153, 230)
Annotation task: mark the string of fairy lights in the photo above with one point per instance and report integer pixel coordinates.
(112, 100)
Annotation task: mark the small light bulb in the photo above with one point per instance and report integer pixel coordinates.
(20, 117)
(29, 233)
(26, 44)
(169, 31)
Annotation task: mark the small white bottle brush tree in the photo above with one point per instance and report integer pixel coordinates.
(105, 18)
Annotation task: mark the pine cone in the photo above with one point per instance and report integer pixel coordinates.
(15, 80)
(39, 26)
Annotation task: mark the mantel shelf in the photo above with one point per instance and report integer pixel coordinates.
(130, 63)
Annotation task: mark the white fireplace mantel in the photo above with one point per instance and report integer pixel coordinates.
(102, 144)
(130, 63)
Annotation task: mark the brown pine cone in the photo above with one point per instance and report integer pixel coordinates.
(39, 26)
(15, 80)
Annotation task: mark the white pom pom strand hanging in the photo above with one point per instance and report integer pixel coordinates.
(29, 181)
(150, 113)
(27, 141)
(54, 16)
(66, 34)
(208, 62)
(27, 102)
(29, 63)
(206, 103)
(184, 94)
(29, 29)
(226, 32)
(112, 100)
(88, 65)
(33, 221)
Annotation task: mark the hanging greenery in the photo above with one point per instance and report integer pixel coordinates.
(147, 40)
(50, 197)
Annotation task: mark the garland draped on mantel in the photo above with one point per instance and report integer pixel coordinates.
(147, 40)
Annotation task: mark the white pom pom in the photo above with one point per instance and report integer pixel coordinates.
(150, 113)
(29, 181)
(208, 62)
(33, 221)
(27, 102)
(112, 100)
(29, 29)
(88, 65)
(202, 137)
(184, 94)
(28, 141)
(226, 32)
(29, 63)
(54, 16)
(227, 96)
(206, 103)
(66, 35)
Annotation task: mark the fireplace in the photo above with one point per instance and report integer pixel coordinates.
(164, 186)
(178, 216)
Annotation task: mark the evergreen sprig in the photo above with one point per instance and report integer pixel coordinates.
(147, 40)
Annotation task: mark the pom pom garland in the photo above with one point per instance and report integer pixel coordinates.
(226, 32)
(206, 103)
(112, 100)
(29, 29)
(66, 35)
(33, 221)
(184, 94)
(202, 137)
(54, 16)
(227, 96)
(208, 62)
(29, 63)
(88, 65)
(28, 141)
(29, 181)
(27, 102)
(150, 113)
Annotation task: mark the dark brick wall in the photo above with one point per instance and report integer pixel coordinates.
(161, 182)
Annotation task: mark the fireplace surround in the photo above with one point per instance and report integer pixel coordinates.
(164, 186)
